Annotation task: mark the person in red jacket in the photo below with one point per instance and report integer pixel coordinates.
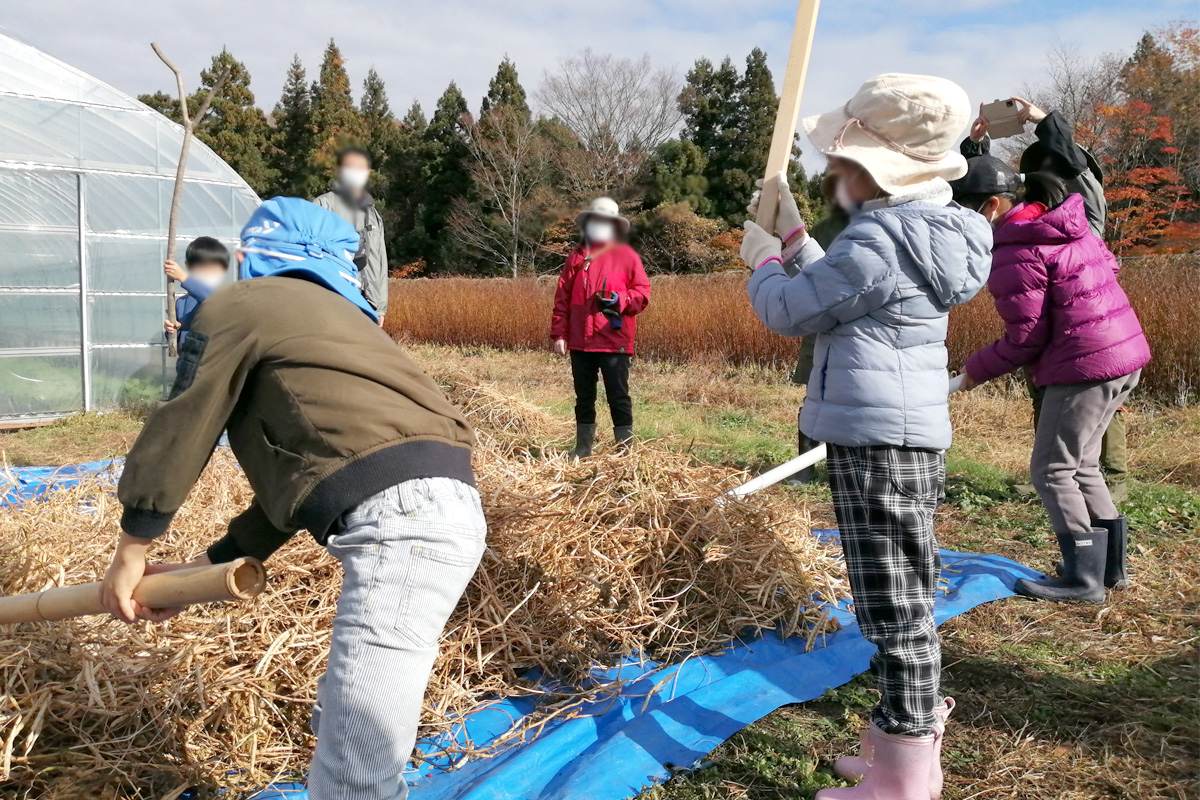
(602, 288)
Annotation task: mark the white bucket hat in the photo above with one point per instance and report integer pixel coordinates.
(604, 208)
(901, 128)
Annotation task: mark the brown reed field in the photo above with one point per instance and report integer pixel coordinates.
(708, 319)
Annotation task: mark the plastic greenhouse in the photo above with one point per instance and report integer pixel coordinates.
(86, 176)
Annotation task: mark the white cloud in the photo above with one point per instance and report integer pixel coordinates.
(419, 48)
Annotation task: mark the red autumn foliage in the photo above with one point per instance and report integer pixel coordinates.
(1146, 193)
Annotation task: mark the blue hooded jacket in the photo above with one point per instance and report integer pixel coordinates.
(879, 302)
(293, 238)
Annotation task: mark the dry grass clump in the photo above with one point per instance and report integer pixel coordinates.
(708, 319)
(587, 563)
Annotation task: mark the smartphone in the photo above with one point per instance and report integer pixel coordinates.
(1002, 118)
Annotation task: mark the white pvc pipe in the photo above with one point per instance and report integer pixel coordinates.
(814, 456)
(785, 470)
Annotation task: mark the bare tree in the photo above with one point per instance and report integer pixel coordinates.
(1076, 86)
(619, 110)
(512, 160)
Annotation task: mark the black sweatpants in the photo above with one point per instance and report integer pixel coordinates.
(615, 369)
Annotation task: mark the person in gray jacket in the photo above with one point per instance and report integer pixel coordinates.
(878, 303)
(350, 200)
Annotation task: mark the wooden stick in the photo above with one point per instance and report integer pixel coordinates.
(189, 128)
(240, 579)
(784, 137)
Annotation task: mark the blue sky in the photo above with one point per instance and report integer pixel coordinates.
(990, 47)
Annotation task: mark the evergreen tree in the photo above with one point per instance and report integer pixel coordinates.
(293, 135)
(505, 89)
(234, 127)
(757, 105)
(379, 133)
(677, 176)
(446, 175)
(709, 103)
(334, 123)
(405, 171)
(731, 119)
(379, 125)
(164, 104)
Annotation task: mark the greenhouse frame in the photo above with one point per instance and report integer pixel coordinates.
(86, 179)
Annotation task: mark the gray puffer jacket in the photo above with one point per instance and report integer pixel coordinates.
(879, 301)
(371, 260)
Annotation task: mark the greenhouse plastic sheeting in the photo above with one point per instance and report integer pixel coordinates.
(667, 720)
(86, 179)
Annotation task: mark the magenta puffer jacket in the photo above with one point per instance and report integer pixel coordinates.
(1055, 286)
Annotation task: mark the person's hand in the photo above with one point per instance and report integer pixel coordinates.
(381, 322)
(1028, 111)
(968, 383)
(979, 127)
(127, 568)
(175, 272)
(559, 347)
(172, 327)
(608, 300)
(759, 247)
(788, 222)
(163, 614)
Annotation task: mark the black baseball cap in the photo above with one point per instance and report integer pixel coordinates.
(986, 176)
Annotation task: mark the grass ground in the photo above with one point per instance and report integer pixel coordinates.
(1071, 702)
(84, 437)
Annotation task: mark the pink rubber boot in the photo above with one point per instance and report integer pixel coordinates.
(900, 769)
(941, 713)
(855, 768)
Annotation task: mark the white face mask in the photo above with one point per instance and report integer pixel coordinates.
(991, 218)
(600, 231)
(210, 279)
(354, 178)
(841, 194)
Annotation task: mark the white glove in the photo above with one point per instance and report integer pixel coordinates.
(759, 247)
(788, 221)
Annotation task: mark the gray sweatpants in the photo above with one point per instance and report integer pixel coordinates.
(1065, 466)
(408, 554)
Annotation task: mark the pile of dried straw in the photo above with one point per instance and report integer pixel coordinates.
(588, 562)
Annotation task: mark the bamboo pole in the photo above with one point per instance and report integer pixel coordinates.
(240, 579)
(189, 128)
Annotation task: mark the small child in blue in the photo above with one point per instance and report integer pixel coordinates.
(207, 263)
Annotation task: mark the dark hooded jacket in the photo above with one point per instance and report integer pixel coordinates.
(1075, 165)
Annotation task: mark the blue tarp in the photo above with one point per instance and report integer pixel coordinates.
(618, 747)
(18, 484)
(664, 719)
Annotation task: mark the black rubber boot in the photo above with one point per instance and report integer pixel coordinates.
(624, 436)
(1116, 575)
(585, 437)
(1084, 559)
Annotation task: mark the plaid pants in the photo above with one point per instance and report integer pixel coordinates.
(885, 498)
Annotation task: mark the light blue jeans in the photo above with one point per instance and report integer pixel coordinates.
(408, 554)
